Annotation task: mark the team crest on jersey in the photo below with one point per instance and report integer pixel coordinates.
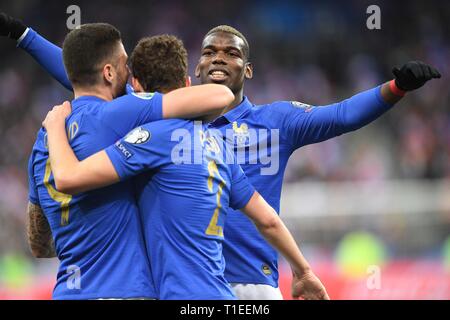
(144, 95)
(138, 136)
(302, 105)
(266, 270)
(240, 132)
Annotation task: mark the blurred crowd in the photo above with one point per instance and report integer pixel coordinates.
(317, 52)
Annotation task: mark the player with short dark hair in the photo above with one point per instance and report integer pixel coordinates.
(86, 49)
(183, 204)
(165, 74)
(98, 235)
(251, 262)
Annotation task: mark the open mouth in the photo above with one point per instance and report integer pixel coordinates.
(218, 75)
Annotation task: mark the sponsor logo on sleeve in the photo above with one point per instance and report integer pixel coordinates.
(144, 95)
(138, 136)
(301, 105)
(123, 150)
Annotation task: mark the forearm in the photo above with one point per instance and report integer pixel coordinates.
(363, 108)
(280, 238)
(275, 232)
(388, 95)
(73, 176)
(196, 101)
(48, 55)
(39, 233)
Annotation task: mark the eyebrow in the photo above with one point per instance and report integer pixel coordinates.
(228, 48)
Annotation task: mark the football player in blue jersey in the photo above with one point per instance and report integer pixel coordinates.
(225, 59)
(98, 235)
(251, 262)
(183, 202)
(182, 205)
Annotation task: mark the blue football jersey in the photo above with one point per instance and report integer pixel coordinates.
(98, 235)
(184, 204)
(263, 138)
(289, 124)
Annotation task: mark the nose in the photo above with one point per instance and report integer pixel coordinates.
(219, 58)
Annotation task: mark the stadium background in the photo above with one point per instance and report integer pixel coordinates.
(378, 197)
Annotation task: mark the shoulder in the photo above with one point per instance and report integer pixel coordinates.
(279, 113)
(161, 129)
(136, 97)
(285, 107)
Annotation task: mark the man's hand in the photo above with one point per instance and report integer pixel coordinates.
(413, 75)
(11, 27)
(57, 116)
(308, 287)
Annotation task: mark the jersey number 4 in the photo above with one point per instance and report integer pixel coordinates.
(62, 198)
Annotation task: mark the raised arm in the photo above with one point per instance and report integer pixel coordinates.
(48, 55)
(305, 284)
(39, 233)
(317, 124)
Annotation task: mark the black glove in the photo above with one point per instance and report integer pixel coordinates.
(11, 27)
(413, 75)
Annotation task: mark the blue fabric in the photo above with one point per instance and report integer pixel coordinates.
(180, 202)
(288, 125)
(100, 246)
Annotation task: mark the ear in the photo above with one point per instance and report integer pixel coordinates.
(197, 71)
(188, 81)
(248, 70)
(108, 73)
(136, 85)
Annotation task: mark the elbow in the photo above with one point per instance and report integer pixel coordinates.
(270, 223)
(65, 184)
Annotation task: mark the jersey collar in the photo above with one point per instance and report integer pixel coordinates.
(83, 100)
(235, 113)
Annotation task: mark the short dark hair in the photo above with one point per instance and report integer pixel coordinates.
(160, 63)
(231, 30)
(86, 48)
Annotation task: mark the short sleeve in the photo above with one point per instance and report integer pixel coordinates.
(241, 188)
(144, 148)
(32, 189)
(132, 110)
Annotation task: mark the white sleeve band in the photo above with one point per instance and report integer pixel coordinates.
(22, 36)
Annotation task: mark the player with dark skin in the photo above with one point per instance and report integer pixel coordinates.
(225, 60)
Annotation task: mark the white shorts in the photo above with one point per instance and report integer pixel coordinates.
(247, 291)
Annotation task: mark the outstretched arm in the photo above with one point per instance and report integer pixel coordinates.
(269, 224)
(317, 124)
(48, 55)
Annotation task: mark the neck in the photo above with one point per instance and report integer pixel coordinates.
(102, 93)
(238, 97)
